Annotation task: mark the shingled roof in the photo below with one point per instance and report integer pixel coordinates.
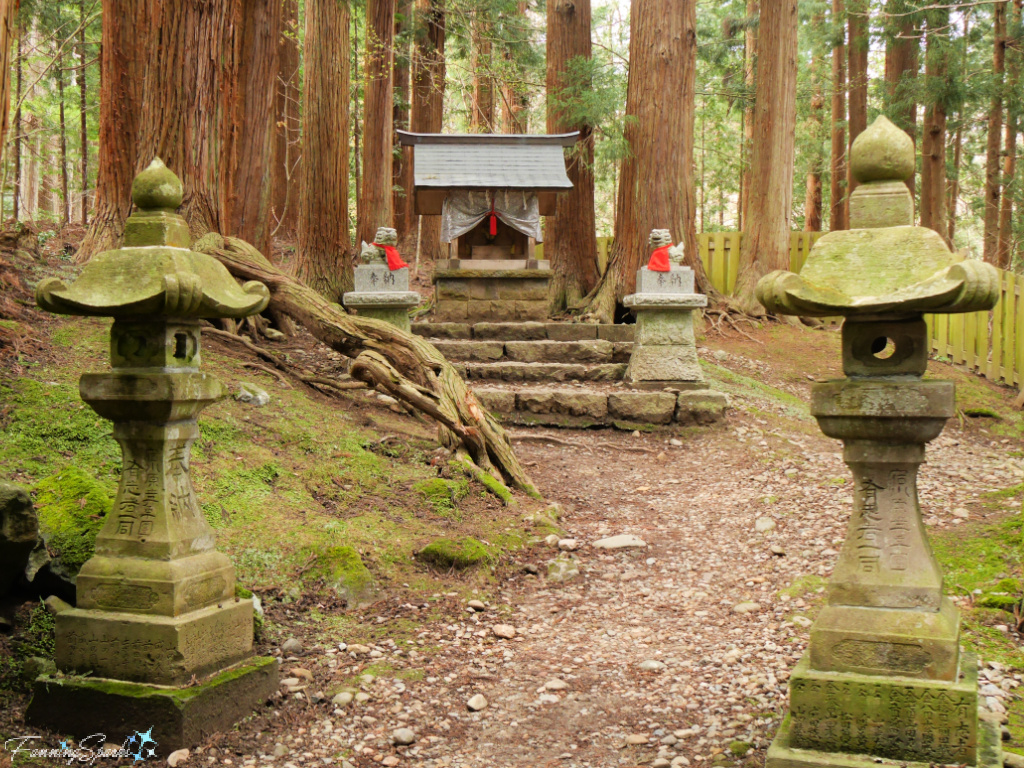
(488, 160)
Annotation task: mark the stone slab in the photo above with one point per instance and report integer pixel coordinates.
(643, 407)
(665, 326)
(622, 351)
(372, 278)
(396, 317)
(496, 400)
(443, 330)
(701, 406)
(511, 274)
(619, 333)
(471, 351)
(571, 331)
(892, 718)
(880, 641)
(559, 351)
(180, 717)
(569, 402)
(665, 300)
(528, 331)
(492, 264)
(782, 754)
(380, 300)
(676, 280)
(539, 372)
(160, 650)
(664, 362)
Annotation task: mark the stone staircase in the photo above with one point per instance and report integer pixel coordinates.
(563, 374)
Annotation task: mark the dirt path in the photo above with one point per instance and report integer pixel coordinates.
(676, 653)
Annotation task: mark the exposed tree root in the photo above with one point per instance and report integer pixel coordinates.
(717, 317)
(407, 367)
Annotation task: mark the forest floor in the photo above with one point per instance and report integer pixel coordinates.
(675, 653)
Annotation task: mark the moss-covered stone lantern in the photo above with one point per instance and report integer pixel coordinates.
(156, 605)
(884, 680)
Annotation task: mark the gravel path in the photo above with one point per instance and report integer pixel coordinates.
(675, 653)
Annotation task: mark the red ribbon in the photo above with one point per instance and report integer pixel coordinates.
(659, 260)
(494, 222)
(394, 260)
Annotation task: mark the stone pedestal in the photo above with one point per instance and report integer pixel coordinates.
(383, 294)
(157, 629)
(664, 349)
(472, 295)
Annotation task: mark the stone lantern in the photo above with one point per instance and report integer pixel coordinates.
(158, 637)
(884, 680)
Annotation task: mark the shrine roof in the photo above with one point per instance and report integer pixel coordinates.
(489, 160)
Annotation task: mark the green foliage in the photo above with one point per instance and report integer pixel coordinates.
(35, 640)
(72, 507)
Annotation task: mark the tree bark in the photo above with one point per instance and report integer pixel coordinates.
(83, 111)
(322, 260)
(857, 50)
(656, 187)
(408, 367)
(1013, 113)
(513, 97)
(765, 243)
(7, 36)
(402, 199)
(953, 184)
(482, 117)
(127, 28)
(18, 141)
(749, 77)
(901, 65)
(426, 114)
(993, 171)
(288, 149)
(839, 210)
(65, 199)
(933, 139)
(812, 197)
(571, 236)
(378, 104)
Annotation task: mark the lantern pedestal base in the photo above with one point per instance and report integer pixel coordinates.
(179, 717)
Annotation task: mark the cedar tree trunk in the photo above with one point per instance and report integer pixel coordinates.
(428, 80)
(994, 137)
(839, 209)
(402, 200)
(288, 151)
(933, 138)
(378, 106)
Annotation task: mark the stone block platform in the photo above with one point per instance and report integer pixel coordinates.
(467, 295)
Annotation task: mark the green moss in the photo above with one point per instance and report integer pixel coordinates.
(739, 748)
(342, 569)
(450, 553)
(72, 506)
(36, 639)
(443, 495)
(977, 557)
(803, 584)
(987, 413)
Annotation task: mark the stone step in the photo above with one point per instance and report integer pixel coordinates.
(526, 331)
(581, 408)
(534, 372)
(593, 352)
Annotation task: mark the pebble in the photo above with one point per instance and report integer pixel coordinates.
(390, 761)
(675, 441)
(764, 524)
(291, 646)
(568, 544)
(622, 541)
(506, 631)
(403, 736)
(720, 354)
(652, 665)
(280, 750)
(551, 540)
(476, 605)
(343, 699)
(555, 684)
(747, 607)
(961, 512)
(176, 757)
(776, 550)
(477, 703)
(636, 738)
(802, 621)
(359, 650)
(661, 762)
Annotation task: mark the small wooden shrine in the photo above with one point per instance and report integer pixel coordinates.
(490, 191)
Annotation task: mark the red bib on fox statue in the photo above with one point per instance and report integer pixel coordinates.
(394, 260)
(659, 260)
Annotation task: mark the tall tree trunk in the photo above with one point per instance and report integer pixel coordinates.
(1011, 184)
(83, 126)
(402, 200)
(953, 184)
(901, 65)
(765, 243)
(839, 211)
(482, 118)
(65, 200)
(749, 75)
(322, 261)
(514, 99)
(18, 140)
(656, 181)
(426, 114)
(357, 130)
(378, 103)
(571, 236)
(288, 150)
(253, 134)
(7, 36)
(860, 38)
(994, 137)
(812, 198)
(933, 139)
(127, 32)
